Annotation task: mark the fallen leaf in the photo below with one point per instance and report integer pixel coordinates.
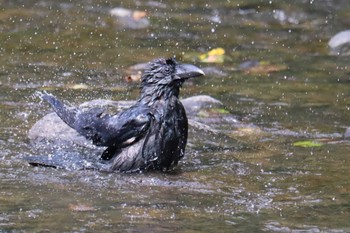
(137, 15)
(308, 144)
(213, 56)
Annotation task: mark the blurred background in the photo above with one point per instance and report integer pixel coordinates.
(280, 67)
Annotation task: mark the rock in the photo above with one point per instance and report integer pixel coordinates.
(347, 133)
(130, 19)
(246, 65)
(195, 104)
(214, 71)
(51, 128)
(134, 73)
(340, 43)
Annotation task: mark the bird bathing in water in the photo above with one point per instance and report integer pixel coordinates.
(150, 135)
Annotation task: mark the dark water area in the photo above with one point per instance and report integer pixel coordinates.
(298, 92)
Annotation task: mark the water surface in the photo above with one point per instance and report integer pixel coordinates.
(79, 52)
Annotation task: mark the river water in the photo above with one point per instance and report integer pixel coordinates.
(291, 175)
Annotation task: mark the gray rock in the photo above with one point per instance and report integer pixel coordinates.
(339, 44)
(129, 18)
(347, 133)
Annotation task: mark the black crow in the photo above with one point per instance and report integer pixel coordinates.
(152, 134)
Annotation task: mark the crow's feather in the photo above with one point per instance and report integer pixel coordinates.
(152, 134)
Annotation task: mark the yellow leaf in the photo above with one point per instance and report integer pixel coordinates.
(213, 56)
(137, 15)
(216, 52)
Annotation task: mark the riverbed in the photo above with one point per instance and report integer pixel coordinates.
(285, 170)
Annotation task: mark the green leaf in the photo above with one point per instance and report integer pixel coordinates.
(220, 110)
(308, 144)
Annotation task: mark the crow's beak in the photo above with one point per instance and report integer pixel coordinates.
(185, 71)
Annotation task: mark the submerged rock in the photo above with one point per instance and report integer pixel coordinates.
(129, 18)
(347, 133)
(339, 44)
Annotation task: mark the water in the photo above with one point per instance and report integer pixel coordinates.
(79, 52)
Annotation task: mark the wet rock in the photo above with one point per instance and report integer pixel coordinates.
(284, 17)
(155, 4)
(347, 133)
(139, 67)
(260, 67)
(134, 73)
(246, 65)
(195, 104)
(214, 71)
(339, 44)
(129, 18)
(51, 128)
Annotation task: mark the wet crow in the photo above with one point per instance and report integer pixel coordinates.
(152, 134)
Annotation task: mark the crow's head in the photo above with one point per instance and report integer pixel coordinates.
(165, 76)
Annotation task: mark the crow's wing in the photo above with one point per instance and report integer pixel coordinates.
(117, 131)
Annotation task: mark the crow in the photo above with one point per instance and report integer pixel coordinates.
(151, 134)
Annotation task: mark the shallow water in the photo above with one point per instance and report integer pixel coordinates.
(79, 52)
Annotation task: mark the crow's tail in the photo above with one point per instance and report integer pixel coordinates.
(68, 115)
